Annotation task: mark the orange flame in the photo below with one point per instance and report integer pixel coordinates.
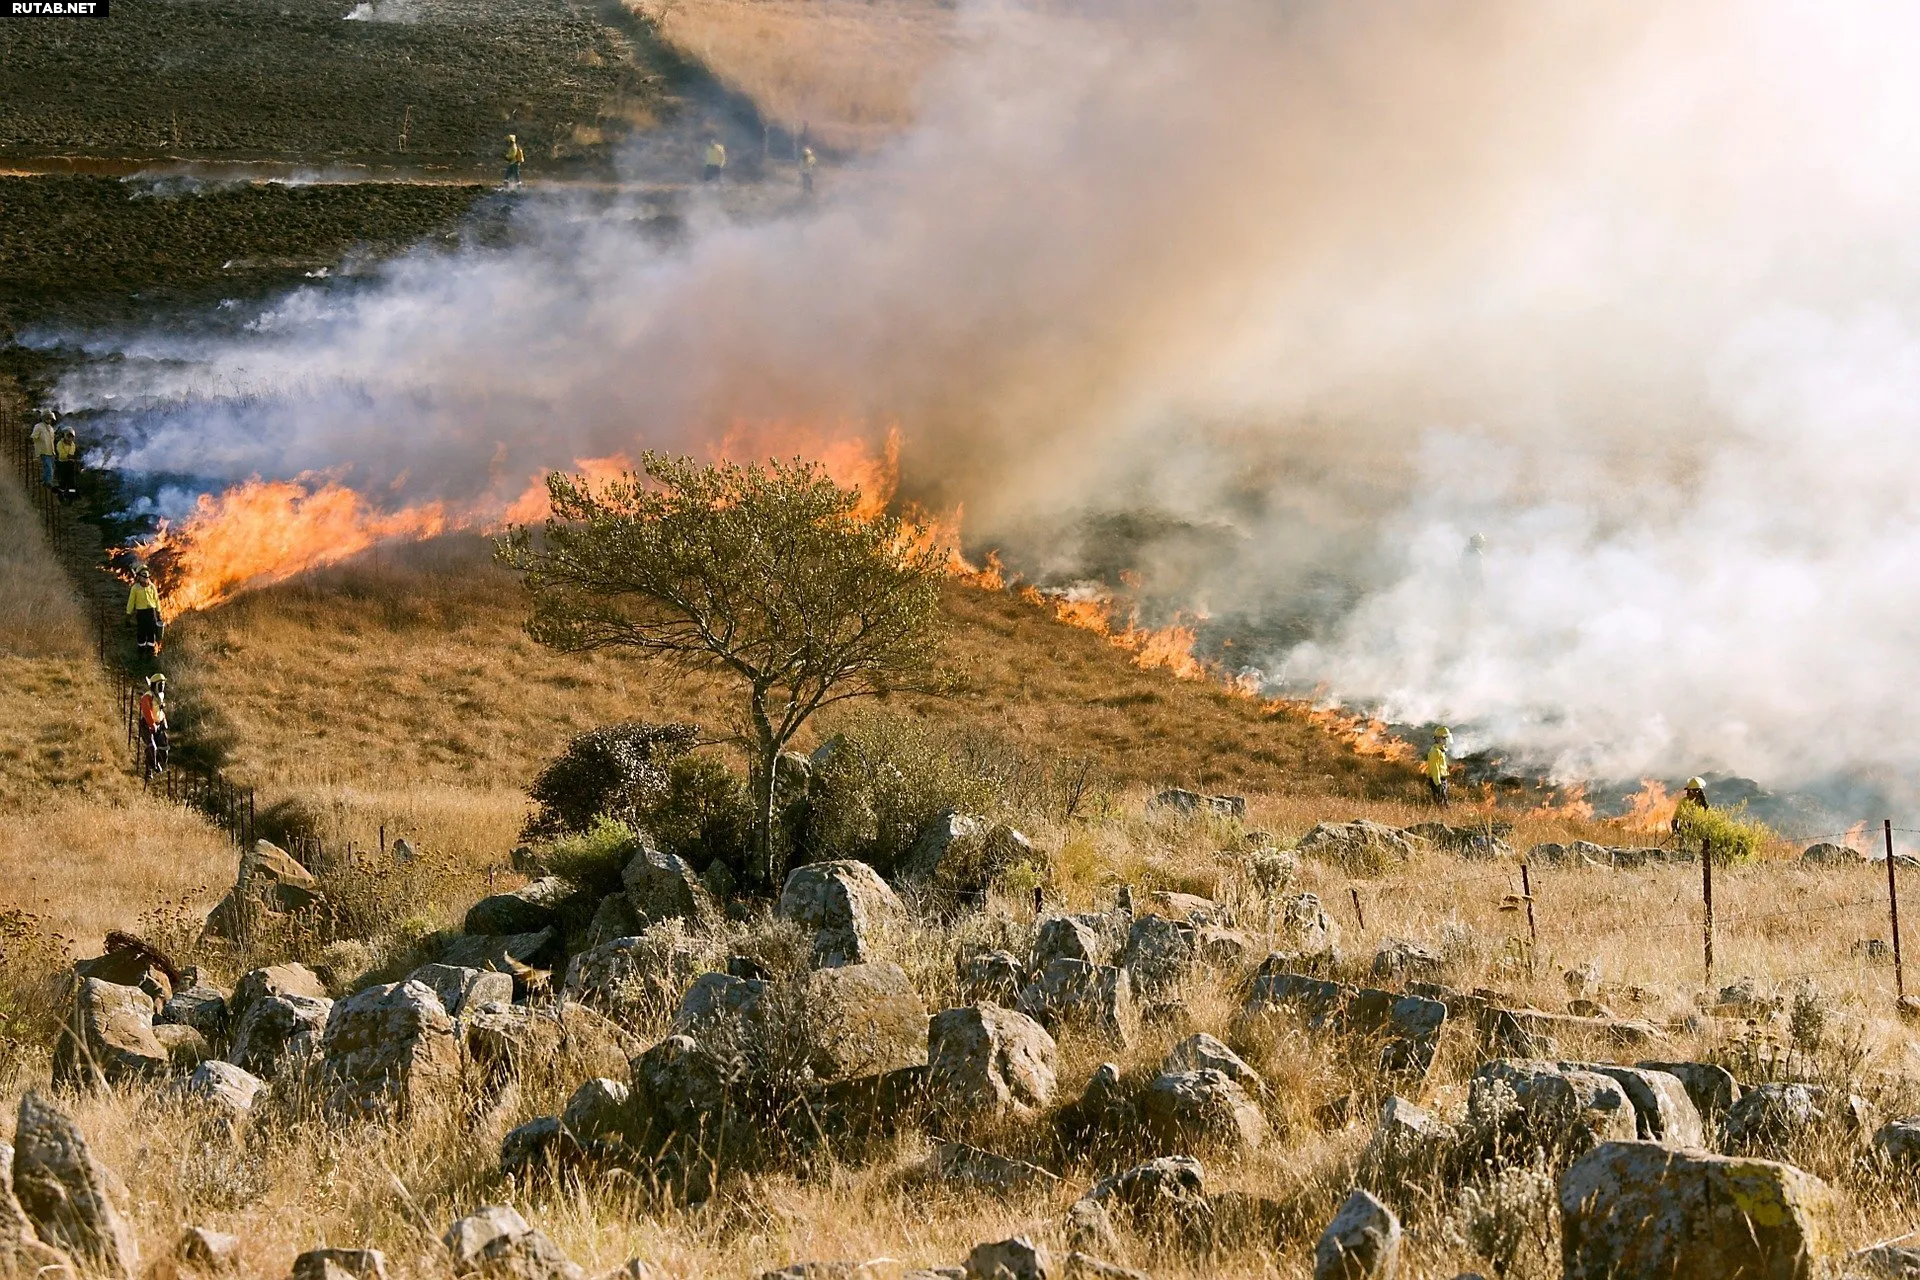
(1363, 734)
(1568, 803)
(1650, 808)
(1855, 837)
(533, 504)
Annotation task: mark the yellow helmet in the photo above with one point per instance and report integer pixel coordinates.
(1442, 733)
(1696, 784)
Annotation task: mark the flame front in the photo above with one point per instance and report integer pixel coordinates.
(1568, 803)
(1092, 608)
(1650, 808)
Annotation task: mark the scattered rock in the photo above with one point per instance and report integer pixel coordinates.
(986, 1171)
(333, 1264)
(862, 1020)
(931, 847)
(646, 971)
(1159, 954)
(596, 1111)
(1070, 938)
(108, 1036)
(1541, 1107)
(1303, 931)
(1641, 1209)
(1408, 1139)
(1832, 855)
(391, 1047)
(1170, 1190)
(986, 1062)
(613, 918)
(525, 1255)
(718, 999)
(1898, 1141)
(1015, 1259)
(21, 1251)
(74, 1202)
(569, 1040)
(270, 883)
(992, 977)
(1182, 801)
(273, 980)
(1089, 1226)
(186, 1048)
(1407, 1027)
(1102, 1110)
(469, 1235)
(538, 1147)
(676, 1086)
(1202, 1110)
(1361, 847)
(1072, 993)
(1663, 1110)
(528, 909)
(1770, 1117)
(132, 962)
(1361, 1243)
(1400, 958)
(207, 1250)
(1528, 1033)
(1712, 1088)
(846, 904)
(662, 886)
(526, 956)
(1472, 843)
(1201, 1051)
(277, 1031)
(224, 1088)
(1084, 1266)
(202, 1008)
(459, 989)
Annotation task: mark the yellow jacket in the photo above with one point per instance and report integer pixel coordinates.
(514, 154)
(716, 155)
(143, 596)
(1437, 763)
(42, 439)
(66, 450)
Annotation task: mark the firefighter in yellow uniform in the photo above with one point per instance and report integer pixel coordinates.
(808, 162)
(66, 464)
(716, 160)
(153, 724)
(1436, 766)
(44, 448)
(143, 606)
(1695, 796)
(514, 158)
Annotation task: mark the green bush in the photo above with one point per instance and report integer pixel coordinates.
(1730, 834)
(594, 858)
(616, 770)
(703, 813)
(880, 782)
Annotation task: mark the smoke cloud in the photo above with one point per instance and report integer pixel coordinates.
(1283, 301)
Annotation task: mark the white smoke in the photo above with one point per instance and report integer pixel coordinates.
(1632, 288)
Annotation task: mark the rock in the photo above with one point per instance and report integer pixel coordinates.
(224, 1088)
(131, 962)
(1072, 993)
(1227, 949)
(845, 903)
(1302, 927)
(932, 845)
(1641, 1209)
(1712, 1089)
(332, 1264)
(1541, 1107)
(202, 1008)
(1770, 1117)
(818, 1271)
(391, 1047)
(1408, 1027)
(270, 882)
(613, 918)
(1536, 1033)
(1168, 1190)
(1101, 1111)
(1203, 1110)
(662, 886)
(538, 1147)
(569, 1041)
(206, 1250)
(525, 1255)
(967, 1166)
(1399, 958)
(1069, 938)
(1361, 847)
(596, 1110)
(525, 956)
(459, 989)
(1181, 801)
(1898, 1141)
(1089, 1226)
(647, 971)
(717, 1000)
(469, 1235)
(1663, 1111)
(1201, 1050)
(1015, 1259)
(273, 980)
(74, 1202)
(677, 1087)
(986, 1062)
(528, 909)
(1409, 1138)
(1361, 1243)
(1084, 1266)
(640, 1269)
(21, 1251)
(186, 1048)
(1189, 908)
(1832, 855)
(108, 1036)
(1159, 954)
(862, 1020)
(992, 977)
(1473, 843)
(279, 1030)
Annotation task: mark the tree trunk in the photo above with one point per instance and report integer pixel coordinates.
(766, 786)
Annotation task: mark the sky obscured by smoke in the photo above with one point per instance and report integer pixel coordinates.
(1308, 292)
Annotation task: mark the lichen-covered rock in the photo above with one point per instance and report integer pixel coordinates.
(1898, 1142)
(1170, 1190)
(991, 977)
(1408, 1140)
(845, 904)
(459, 989)
(1087, 997)
(1711, 1087)
(340, 1264)
(613, 918)
(1361, 1243)
(1769, 1118)
(1642, 1209)
(1084, 1266)
(1101, 1112)
(1201, 1050)
(1069, 938)
(391, 1047)
(186, 1048)
(1015, 1259)
(962, 1165)
(1089, 1227)
(935, 840)
(22, 1252)
(663, 886)
(1159, 954)
(1402, 958)
(718, 999)
(205, 1250)
(226, 1090)
(280, 1031)
(273, 980)
(1361, 847)
(108, 1036)
(569, 1040)
(648, 971)
(526, 956)
(469, 1235)
(863, 1020)
(596, 1110)
(203, 1008)
(1539, 1107)
(525, 1255)
(1663, 1111)
(1303, 930)
(74, 1202)
(984, 1061)
(537, 1148)
(1186, 803)
(677, 1087)
(527, 909)
(1202, 1110)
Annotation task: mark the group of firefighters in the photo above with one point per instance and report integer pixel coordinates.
(713, 162)
(58, 450)
(1438, 765)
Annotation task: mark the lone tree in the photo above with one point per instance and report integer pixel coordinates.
(770, 573)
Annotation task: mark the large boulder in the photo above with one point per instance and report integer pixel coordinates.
(1521, 1106)
(460, 989)
(204, 1008)
(273, 980)
(679, 1087)
(932, 845)
(1202, 1110)
(278, 1031)
(22, 1252)
(845, 904)
(1159, 954)
(1711, 1087)
(1642, 1209)
(719, 1000)
(530, 908)
(863, 1020)
(1898, 1142)
(1087, 997)
(1361, 1243)
(391, 1047)
(74, 1202)
(984, 1061)
(1362, 847)
(570, 1041)
(1663, 1111)
(108, 1036)
(663, 886)
(270, 883)
(647, 972)
(223, 1089)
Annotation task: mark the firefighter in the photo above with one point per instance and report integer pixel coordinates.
(1695, 795)
(1436, 767)
(716, 160)
(66, 464)
(44, 447)
(153, 724)
(143, 606)
(514, 156)
(808, 161)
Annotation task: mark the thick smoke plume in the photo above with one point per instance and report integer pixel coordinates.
(1297, 297)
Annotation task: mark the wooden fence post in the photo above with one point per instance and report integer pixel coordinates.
(1893, 912)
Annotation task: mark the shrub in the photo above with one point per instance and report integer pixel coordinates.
(880, 782)
(1729, 833)
(594, 859)
(616, 770)
(704, 812)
